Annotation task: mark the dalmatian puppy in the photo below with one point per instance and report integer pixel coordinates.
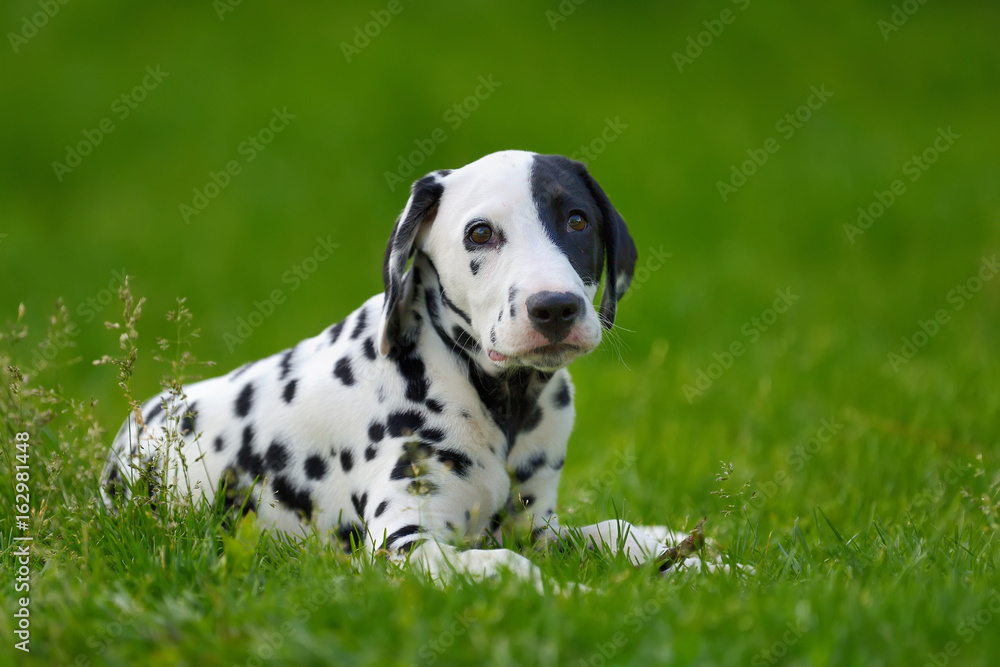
(435, 415)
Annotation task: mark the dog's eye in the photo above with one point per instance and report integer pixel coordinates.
(576, 222)
(481, 234)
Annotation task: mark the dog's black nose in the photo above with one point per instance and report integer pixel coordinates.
(554, 313)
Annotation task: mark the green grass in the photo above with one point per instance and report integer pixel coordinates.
(864, 490)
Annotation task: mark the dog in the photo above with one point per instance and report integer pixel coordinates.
(436, 415)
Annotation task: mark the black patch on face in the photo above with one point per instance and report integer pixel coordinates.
(459, 463)
(562, 397)
(404, 423)
(369, 347)
(558, 190)
(276, 456)
(245, 400)
(156, 409)
(286, 364)
(190, 419)
(359, 504)
(493, 335)
(335, 332)
(376, 431)
(246, 458)
(464, 339)
(455, 309)
(527, 469)
(381, 508)
(360, 326)
(342, 370)
(474, 266)
(315, 467)
(289, 392)
(346, 460)
(286, 495)
(434, 405)
(219, 444)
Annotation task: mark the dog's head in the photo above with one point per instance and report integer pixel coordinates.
(519, 242)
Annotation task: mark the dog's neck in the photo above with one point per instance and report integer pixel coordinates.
(508, 394)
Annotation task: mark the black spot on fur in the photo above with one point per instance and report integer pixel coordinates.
(511, 294)
(156, 409)
(459, 463)
(513, 311)
(359, 504)
(455, 309)
(381, 508)
(286, 364)
(342, 370)
(190, 419)
(401, 533)
(276, 456)
(474, 266)
(286, 495)
(315, 467)
(289, 392)
(527, 469)
(346, 460)
(219, 444)
(369, 346)
(245, 400)
(464, 339)
(432, 434)
(404, 423)
(493, 335)
(246, 458)
(559, 464)
(360, 326)
(434, 405)
(335, 332)
(350, 536)
(376, 431)
(408, 464)
(370, 452)
(527, 500)
(562, 397)
(411, 367)
(532, 420)
(241, 370)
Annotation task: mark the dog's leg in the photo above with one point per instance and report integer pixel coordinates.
(442, 561)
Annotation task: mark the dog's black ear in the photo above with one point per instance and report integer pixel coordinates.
(619, 250)
(419, 212)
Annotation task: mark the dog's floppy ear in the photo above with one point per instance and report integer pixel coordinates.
(619, 251)
(419, 211)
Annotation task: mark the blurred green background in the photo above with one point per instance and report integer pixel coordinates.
(564, 72)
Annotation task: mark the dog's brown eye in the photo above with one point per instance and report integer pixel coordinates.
(576, 222)
(481, 234)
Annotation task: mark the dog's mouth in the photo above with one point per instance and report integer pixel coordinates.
(554, 355)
